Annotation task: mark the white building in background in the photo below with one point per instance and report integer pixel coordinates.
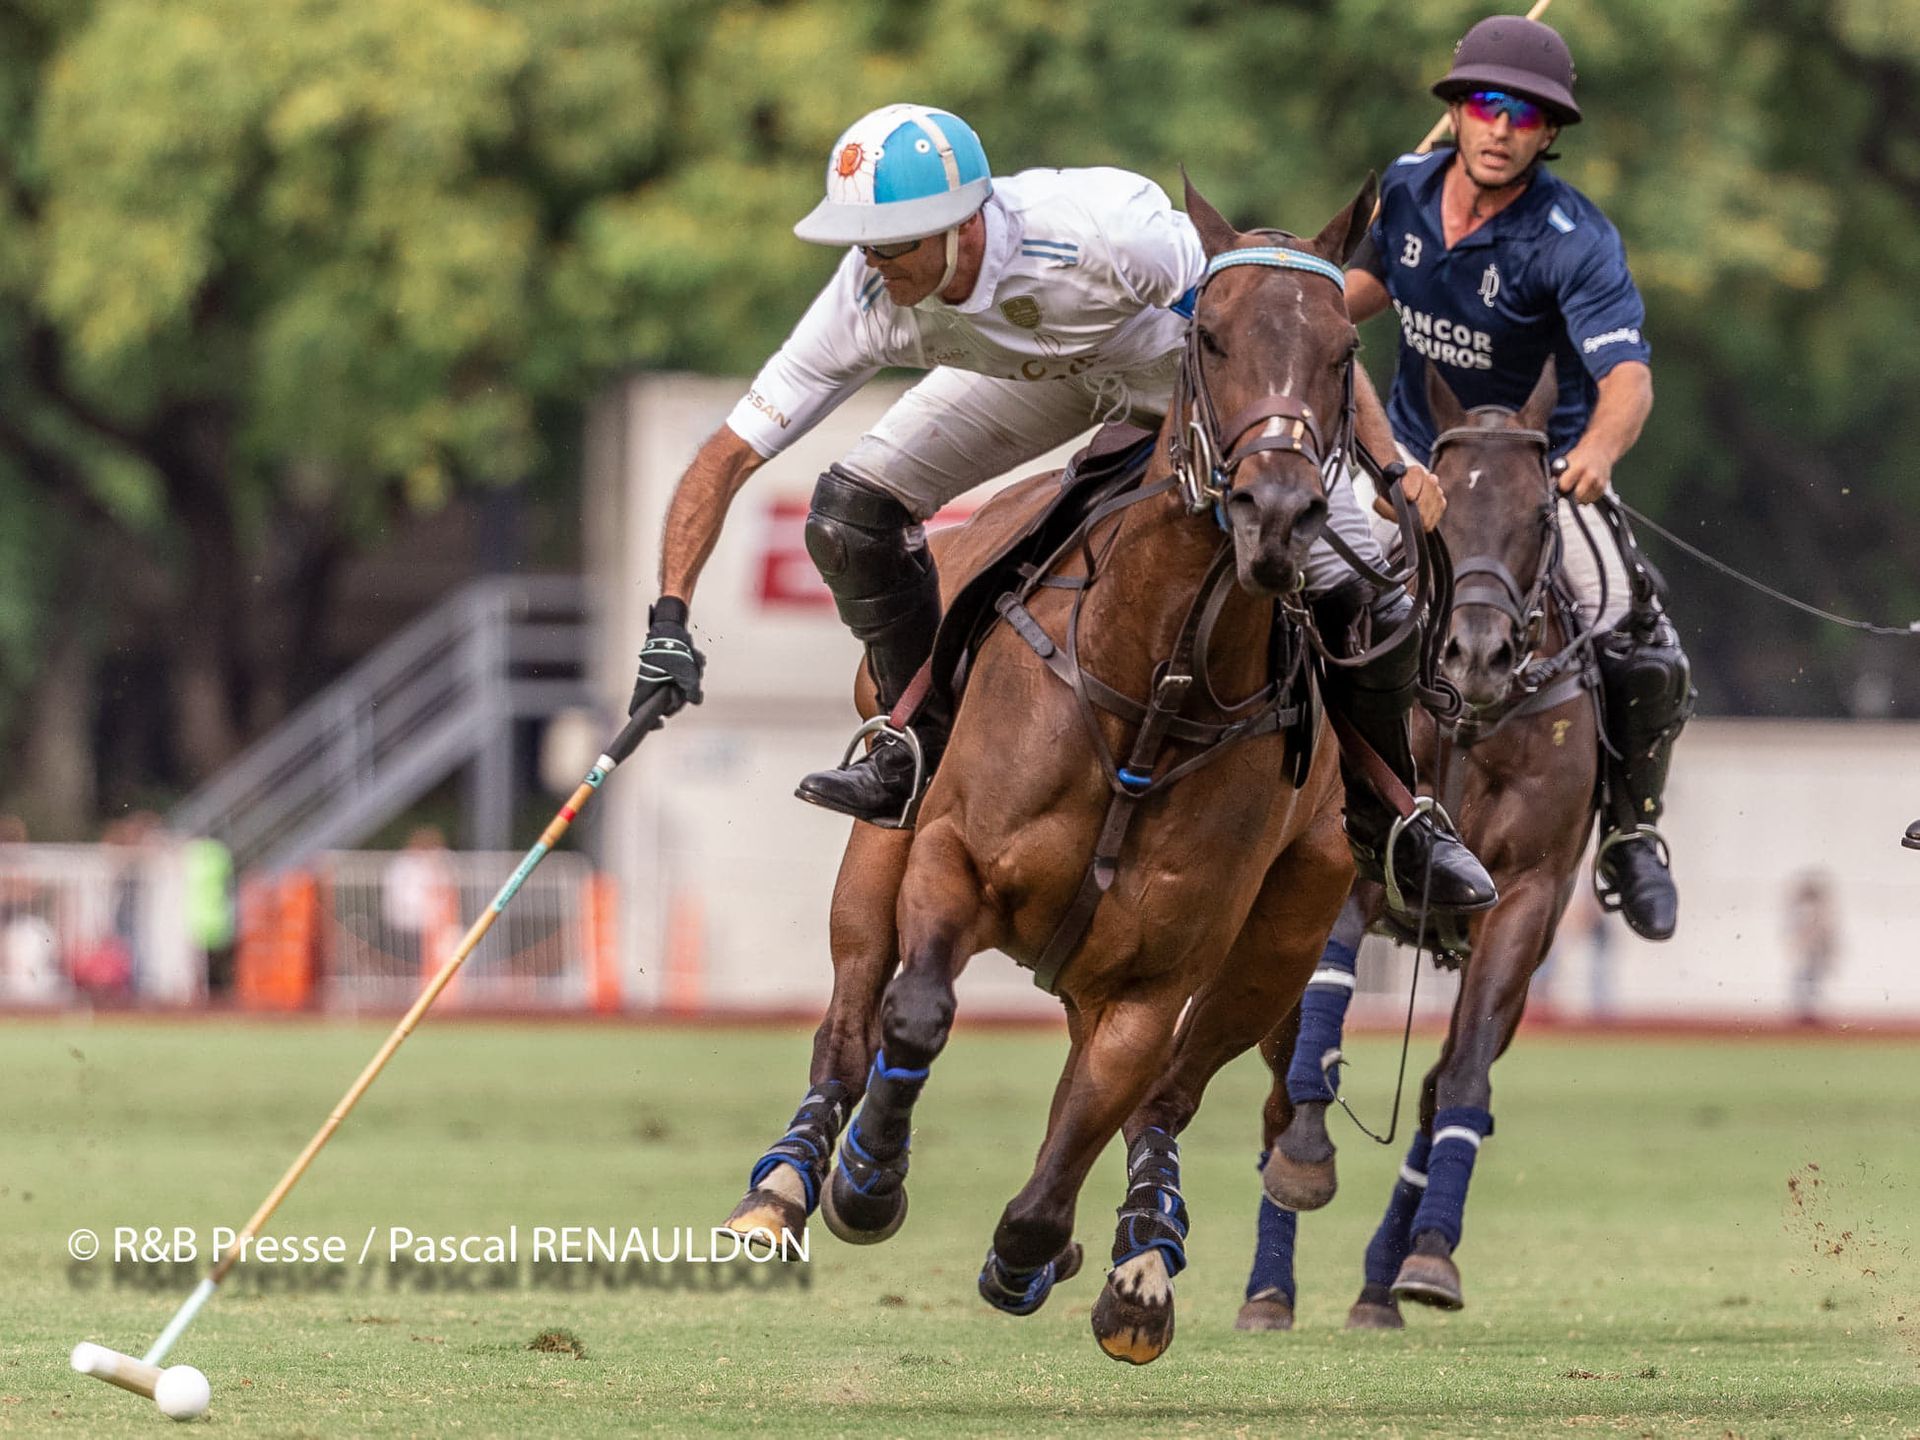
(724, 878)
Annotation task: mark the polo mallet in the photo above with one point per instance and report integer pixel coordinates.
(1441, 125)
(145, 1376)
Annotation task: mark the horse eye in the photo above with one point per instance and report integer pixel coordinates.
(1212, 346)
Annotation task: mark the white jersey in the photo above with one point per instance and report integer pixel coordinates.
(1079, 270)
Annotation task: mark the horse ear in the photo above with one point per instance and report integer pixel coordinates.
(1442, 404)
(1216, 235)
(1538, 410)
(1347, 229)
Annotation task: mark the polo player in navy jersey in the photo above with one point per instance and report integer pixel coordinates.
(1494, 265)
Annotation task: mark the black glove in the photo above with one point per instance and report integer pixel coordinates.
(668, 661)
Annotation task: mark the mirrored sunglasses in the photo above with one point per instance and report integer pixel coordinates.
(1488, 106)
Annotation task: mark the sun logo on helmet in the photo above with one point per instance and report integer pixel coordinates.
(850, 157)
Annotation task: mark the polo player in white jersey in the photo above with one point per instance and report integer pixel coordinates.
(1042, 303)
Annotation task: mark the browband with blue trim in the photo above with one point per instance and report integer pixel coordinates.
(1280, 258)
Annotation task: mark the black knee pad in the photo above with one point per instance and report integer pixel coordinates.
(1386, 682)
(1648, 682)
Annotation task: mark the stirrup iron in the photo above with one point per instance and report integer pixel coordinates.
(1422, 805)
(882, 724)
(1609, 897)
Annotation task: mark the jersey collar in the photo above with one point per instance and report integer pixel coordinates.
(1523, 217)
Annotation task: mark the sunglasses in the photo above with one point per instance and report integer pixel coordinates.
(1488, 106)
(891, 252)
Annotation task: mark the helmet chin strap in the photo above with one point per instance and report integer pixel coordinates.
(953, 264)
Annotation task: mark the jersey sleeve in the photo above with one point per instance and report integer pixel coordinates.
(830, 354)
(1156, 253)
(1604, 314)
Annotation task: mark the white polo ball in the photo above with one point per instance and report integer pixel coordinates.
(182, 1393)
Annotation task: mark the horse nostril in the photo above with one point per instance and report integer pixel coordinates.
(1500, 657)
(1451, 655)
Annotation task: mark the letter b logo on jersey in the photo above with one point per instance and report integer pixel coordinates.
(1410, 255)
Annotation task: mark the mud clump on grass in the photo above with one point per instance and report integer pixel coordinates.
(558, 1342)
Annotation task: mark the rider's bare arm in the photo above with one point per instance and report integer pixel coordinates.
(1370, 423)
(699, 507)
(1366, 296)
(1626, 399)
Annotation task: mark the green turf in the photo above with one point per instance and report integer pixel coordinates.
(1635, 1261)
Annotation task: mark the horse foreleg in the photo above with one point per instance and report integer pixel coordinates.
(1123, 1044)
(1511, 942)
(1298, 1172)
(865, 1199)
(785, 1183)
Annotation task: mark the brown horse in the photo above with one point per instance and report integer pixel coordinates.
(1518, 772)
(1228, 880)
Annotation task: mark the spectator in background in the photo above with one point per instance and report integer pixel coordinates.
(1813, 940)
(207, 867)
(29, 950)
(419, 902)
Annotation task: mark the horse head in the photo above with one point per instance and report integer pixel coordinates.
(1266, 397)
(1500, 528)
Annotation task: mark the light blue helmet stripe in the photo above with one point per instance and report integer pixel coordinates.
(911, 166)
(1279, 258)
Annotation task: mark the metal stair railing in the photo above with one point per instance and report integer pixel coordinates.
(432, 698)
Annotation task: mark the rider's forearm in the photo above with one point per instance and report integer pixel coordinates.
(1626, 399)
(699, 508)
(1366, 296)
(1370, 418)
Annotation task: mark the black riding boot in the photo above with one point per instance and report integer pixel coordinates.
(1428, 858)
(867, 548)
(1648, 695)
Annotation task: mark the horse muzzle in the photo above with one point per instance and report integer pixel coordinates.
(1274, 525)
(1480, 657)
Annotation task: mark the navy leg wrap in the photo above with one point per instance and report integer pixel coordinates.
(873, 1156)
(1323, 1017)
(1153, 1216)
(808, 1144)
(1273, 1249)
(1457, 1133)
(1394, 1238)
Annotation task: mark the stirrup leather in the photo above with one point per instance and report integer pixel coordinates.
(883, 725)
(1609, 896)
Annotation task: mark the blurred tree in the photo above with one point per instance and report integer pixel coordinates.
(272, 274)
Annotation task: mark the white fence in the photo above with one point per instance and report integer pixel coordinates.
(389, 920)
(96, 922)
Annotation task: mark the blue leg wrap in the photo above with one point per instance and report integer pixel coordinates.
(1153, 1216)
(808, 1144)
(1394, 1238)
(1457, 1133)
(1273, 1249)
(1323, 1016)
(1016, 1292)
(873, 1156)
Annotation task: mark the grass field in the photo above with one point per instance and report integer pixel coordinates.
(1636, 1261)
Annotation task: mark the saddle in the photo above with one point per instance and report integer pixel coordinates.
(1113, 462)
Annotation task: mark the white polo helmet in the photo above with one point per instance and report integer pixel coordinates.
(901, 173)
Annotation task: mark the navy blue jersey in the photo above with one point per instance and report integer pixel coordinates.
(1546, 276)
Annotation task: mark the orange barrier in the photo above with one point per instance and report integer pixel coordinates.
(279, 933)
(683, 981)
(600, 922)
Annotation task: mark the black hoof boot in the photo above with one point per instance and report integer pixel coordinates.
(1021, 1292)
(1636, 881)
(863, 1217)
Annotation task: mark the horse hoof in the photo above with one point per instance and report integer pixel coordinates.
(1134, 1330)
(1429, 1280)
(767, 1218)
(1269, 1311)
(862, 1219)
(1300, 1173)
(1368, 1315)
